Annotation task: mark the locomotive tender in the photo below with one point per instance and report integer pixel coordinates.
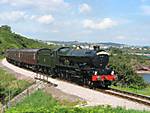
(89, 67)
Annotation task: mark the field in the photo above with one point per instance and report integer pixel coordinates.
(10, 86)
(40, 102)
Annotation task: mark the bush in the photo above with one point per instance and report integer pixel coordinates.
(125, 72)
(9, 84)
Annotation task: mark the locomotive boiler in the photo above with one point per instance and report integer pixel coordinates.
(90, 66)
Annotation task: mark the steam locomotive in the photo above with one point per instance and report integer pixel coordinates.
(89, 67)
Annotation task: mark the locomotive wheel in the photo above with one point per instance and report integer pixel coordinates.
(68, 76)
(104, 85)
(54, 73)
(50, 72)
(61, 75)
(90, 84)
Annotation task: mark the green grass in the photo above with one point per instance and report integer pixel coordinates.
(74, 103)
(36, 102)
(8, 83)
(144, 91)
(40, 102)
(1, 57)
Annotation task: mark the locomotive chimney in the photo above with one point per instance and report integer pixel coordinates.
(96, 48)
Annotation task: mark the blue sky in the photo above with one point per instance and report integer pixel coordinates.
(120, 21)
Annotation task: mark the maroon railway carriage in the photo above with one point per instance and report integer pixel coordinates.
(25, 57)
(28, 56)
(12, 55)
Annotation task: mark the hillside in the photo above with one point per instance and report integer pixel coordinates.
(8, 39)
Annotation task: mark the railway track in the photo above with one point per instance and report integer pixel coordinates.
(142, 99)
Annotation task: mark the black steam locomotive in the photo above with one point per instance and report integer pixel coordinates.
(89, 67)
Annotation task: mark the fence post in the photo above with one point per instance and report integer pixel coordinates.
(27, 92)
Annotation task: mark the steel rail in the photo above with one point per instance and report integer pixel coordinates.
(142, 99)
(130, 93)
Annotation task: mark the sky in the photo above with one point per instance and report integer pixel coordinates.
(118, 21)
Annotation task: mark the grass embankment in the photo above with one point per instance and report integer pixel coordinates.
(144, 91)
(1, 57)
(9, 39)
(40, 102)
(10, 85)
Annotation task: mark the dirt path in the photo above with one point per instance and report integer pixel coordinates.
(19, 76)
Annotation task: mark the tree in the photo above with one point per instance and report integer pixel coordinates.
(6, 28)
(127, 76)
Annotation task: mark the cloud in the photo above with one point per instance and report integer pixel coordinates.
(103, 24)
(55, 31)
(52, 5)
(146, 9)
(12, 16)
(16, 2)
(3, 1)
(16, 16)
(45, 19)
(84, 8)
(120, 37)
(44, 5)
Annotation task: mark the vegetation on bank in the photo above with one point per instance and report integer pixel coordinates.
(1, 57)
(136, 61)
(50, 105)
(142, 50)
(9, 39)
(10, 86)
(124, 64)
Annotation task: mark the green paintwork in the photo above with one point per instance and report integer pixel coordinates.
(46, 57)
